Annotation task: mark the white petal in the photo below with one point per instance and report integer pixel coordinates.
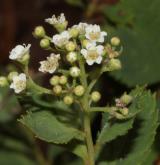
(104, 33)
(99, 60)
(22, 76)
(91, 45)
(101, 39)
(90, 62)
(100, 49)
(12, 86)
(84, 52)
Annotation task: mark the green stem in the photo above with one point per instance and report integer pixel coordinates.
(41, 90)
(89, 141)
(86, 115)
(32, 85)
(83, 78)
(102, 109)
(63, 71)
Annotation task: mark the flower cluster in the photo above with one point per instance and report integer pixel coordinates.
(72, 50)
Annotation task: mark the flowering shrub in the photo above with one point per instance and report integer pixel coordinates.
(63, 113)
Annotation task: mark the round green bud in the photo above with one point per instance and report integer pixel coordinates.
(70, 46)
(63, 80)
(11, 75)
(44, 43)
(54, 80)
(68, 100)
(3, 81)
(115, 41)
(74, 71)
(57, 90)
(118, 116)
(74, 32)
(85, 42)
(71, 57)
(79, 90)
(126, 99)
(39, 32)
(114, 64)
(124, 111)
(95, 96)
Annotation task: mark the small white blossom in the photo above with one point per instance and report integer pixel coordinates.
(59, 20)
(51, 64)
(61, 39)
(81, 27)
(19, 51)
(19, 83)
(93, 53)
(94, 33)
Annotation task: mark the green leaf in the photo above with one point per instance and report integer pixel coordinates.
(110, 132)
(141, 146)
(46, 127)
(9, 106)
(80, 150)
(10, 158)
(133, 147)
(118, 128)
(139, 31)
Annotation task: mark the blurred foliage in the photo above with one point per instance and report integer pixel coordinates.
(9, 106)
(136, 23)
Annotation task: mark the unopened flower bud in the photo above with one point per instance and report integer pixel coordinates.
(79, 90)
(74, 71)
(115, 41)
(71, 57)
(124, 111)
(39, 32)
(85, 43)
(54, 80)
(44, 43)
(114, 64)
(68, 100)
(126, 99)
(63, 80)
(57, 90)
(11, 75)
(3, 81)
(95, 96)
(118, 116)
(70, 46)
(73, 32)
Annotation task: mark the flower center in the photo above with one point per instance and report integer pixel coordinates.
(94, 35)
(92, 55)
(20, 84)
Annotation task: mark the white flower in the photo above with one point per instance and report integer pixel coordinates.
(19, 51)
(81, 27)
(51, 64)
(61, 39)
(59, 20)
(94, 33)
(93, 53)
(19, 83)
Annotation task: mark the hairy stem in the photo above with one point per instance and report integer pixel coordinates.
(89, 141)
